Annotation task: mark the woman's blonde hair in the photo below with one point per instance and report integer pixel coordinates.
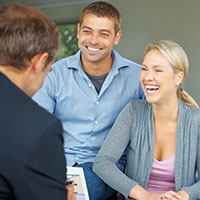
(178, 60)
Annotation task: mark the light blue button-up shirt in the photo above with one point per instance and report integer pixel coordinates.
(87, 116)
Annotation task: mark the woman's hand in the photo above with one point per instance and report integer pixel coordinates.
(183, 195)
(152, 196)
(140, 193)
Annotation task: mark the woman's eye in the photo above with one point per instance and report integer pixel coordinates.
(158, 70)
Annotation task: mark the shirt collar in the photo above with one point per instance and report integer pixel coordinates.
(75, 61)
(119, 61)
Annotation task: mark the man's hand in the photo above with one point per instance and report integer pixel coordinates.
(70, 192)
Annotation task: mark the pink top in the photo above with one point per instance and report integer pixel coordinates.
(162, 176)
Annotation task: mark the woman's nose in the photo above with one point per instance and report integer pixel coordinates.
(149, 76)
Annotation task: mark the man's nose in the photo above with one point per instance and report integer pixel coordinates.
(94, 39)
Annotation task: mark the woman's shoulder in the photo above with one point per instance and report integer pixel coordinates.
(191, 112)
(140, 104)
(138, 107)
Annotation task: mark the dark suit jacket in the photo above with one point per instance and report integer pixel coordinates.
(32, 161)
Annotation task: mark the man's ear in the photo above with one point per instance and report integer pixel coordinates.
(78, 29)
(38, 62)
(117, 37)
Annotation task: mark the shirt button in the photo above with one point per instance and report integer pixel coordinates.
(93, 138)
(97, 102)
(96, 122)
(90, 85)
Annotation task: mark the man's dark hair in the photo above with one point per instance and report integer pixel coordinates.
(102, 9)
(25, 32)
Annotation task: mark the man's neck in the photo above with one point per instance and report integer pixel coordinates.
(97, 68)
(18, 77)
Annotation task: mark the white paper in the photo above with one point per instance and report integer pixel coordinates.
(76, 175)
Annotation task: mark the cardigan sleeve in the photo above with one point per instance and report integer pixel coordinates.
(194, 190)
(111, 151)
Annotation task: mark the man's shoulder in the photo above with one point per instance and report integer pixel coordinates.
(24, 121)
(18, 108)
(38, 122)
(40, 116)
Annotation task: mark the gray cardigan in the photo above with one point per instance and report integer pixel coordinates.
(134, 131)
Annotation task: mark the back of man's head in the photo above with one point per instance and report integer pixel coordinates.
(25, 32)
(102, 9)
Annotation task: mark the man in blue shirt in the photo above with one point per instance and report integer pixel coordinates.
(87, 91)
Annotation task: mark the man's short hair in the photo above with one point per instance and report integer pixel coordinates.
(25, 32)
(102, 9)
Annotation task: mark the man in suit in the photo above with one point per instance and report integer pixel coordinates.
(32, 161)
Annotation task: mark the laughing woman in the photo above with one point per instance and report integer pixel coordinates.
(161, 136)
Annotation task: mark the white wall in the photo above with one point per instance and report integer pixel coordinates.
(147, 20)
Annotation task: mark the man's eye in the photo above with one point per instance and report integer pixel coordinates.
(144, 68)
(105, 34)
(86, 31)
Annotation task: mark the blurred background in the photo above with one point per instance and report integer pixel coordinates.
(142, 21)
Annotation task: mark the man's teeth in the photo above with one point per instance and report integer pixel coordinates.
(93, 49)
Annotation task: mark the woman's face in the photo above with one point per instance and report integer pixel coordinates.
(158, 79)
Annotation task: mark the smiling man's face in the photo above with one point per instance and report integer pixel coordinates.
(96, 37)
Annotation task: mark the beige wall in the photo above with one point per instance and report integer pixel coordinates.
(147, 20)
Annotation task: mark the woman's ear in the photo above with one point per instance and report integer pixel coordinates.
(179, 78)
